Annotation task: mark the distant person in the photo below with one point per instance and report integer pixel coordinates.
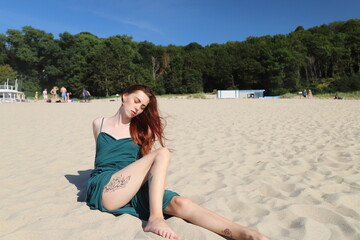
(53, 93)
(304, 93)
(36, 96)
(337, 97)
(310, 95)
(45, 94)
(86, 95)
(63, 93)
(68, 96)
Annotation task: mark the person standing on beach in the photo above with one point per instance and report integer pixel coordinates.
(63, 93)
(86, 95)
(68, 96)
(304, 93)
(129, 176)
(54, 93)
(310, 95)
(45, 94)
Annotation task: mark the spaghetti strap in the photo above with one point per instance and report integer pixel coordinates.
(102, 121)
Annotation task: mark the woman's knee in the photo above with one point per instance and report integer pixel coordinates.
(179, 205)
(164, 152)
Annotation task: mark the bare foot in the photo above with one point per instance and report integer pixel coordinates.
(159, 227)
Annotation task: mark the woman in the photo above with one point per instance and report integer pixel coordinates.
(130, 178)
(53, 93)
(45, 94)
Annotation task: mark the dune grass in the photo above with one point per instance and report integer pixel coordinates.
(187, 96)
(344, 95)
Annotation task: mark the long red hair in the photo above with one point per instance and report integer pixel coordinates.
(148, 126)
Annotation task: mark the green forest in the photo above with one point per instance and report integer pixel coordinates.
(323, 58)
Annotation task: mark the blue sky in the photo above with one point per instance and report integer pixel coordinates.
(177, 22)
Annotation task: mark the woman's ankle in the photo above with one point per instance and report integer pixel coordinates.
(156, 218)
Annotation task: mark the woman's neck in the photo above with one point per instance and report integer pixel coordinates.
(120, 118)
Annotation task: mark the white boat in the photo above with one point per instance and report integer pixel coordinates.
(10, 93)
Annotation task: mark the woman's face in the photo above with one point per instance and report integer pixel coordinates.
(135, 103)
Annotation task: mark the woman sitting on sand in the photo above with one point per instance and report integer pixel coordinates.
(130, 178)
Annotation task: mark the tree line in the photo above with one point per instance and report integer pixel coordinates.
(324, 58)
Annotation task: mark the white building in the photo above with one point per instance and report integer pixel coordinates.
(240, 93)
(10, 93)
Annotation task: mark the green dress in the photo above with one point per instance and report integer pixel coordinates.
(113, 155)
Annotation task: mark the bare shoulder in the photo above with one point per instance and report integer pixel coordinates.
(97, 122)
(96, 126)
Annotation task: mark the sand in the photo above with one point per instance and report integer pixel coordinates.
(289, 168)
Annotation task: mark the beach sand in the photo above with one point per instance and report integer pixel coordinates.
(289, 168)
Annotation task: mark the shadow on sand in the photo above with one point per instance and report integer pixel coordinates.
(80, 181)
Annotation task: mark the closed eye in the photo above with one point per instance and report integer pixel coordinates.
(143, 106)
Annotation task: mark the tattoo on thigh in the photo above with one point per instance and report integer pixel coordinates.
(116, 183)
(227, 232)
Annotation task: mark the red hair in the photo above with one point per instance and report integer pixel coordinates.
(148, 126)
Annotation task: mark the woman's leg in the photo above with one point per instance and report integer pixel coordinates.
(125, 183)
(186, 209)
